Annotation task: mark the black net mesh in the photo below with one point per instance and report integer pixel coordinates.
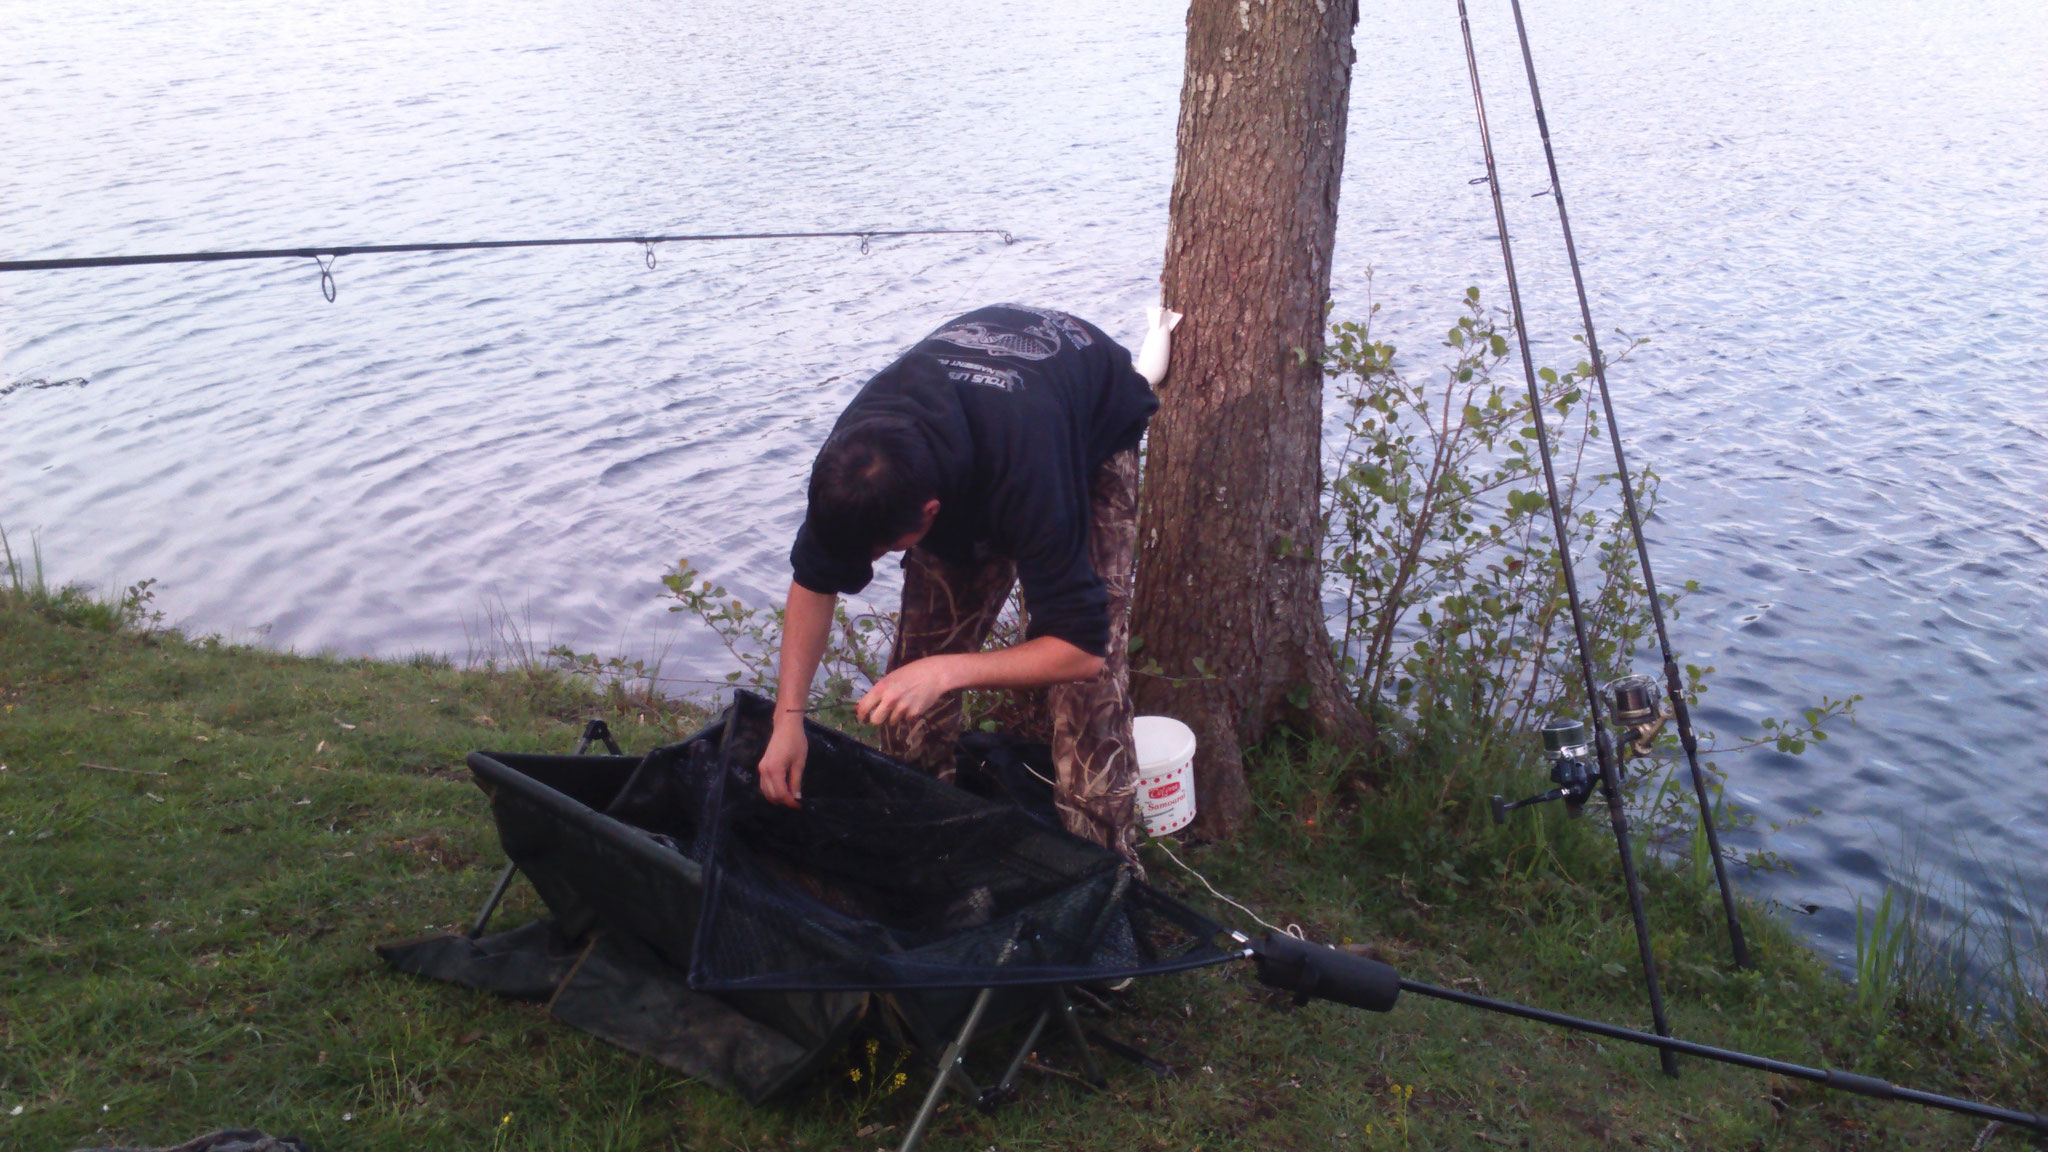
(884, 880)
(887, 878)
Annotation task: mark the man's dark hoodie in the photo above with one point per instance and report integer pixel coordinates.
(1020, 406)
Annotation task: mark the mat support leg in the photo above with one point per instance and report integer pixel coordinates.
(483, 918)
(949, 1069)
(594, 731)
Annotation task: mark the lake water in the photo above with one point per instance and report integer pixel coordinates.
(1830, 218)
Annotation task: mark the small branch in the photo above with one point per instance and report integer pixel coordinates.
(123, 771)
(1034, 1064)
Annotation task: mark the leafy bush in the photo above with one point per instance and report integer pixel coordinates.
(1440, 545)
(856, 655)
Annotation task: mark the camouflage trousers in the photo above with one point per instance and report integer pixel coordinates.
(951, 608)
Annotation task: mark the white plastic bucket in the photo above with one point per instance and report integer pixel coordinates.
(1166, 773)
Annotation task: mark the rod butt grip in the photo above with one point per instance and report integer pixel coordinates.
(1321, 972)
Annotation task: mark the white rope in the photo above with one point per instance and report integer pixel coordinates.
(1293, 930)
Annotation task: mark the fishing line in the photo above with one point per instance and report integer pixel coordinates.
(1293, 930)
(1610, 781)
(324, 257)
(1674, 687)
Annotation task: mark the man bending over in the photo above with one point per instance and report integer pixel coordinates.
(1001, 449)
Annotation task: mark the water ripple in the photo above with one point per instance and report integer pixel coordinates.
(1831, 229)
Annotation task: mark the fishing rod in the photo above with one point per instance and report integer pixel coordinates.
(1625, 692)
(325, 256)
(1319, 971)
(1566, 738)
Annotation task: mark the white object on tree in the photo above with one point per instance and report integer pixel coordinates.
(1158, 346)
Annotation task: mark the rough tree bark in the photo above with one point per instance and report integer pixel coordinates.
(1230, 532)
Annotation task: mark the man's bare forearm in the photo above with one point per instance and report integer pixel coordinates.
(1032, 664)
(806, 627)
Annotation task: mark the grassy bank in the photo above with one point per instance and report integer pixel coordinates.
(199, 845)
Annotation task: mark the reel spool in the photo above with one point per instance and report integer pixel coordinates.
(1636, 704)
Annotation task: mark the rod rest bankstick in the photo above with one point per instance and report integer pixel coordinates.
(1610, 776)
(1318, 971)
(1673, 685)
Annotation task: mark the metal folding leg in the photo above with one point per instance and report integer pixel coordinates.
(951, 1063)
(483, 918)
(950, 1071)
(1060, 1005)
(999, 1095)
(1064, 1009)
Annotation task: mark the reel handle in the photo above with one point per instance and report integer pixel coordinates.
(1501, 805)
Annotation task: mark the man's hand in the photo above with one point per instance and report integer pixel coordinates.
(909, 691)
(782, 765)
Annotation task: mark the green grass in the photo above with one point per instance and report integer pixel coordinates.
(185, 943)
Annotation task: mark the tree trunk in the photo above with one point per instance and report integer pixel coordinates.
(1229, 548)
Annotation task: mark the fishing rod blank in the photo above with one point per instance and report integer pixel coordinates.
(326, 256)
(1673, 686)
(1610, 778)
(1319, 971)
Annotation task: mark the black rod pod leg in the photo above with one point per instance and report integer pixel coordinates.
(1320, 971)
(1617, 815)
(1610, 781)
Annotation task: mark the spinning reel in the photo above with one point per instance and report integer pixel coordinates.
(1571, 769)
(1635, 705)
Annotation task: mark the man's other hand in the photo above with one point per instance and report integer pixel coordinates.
(782, 765)
(912, 690)
(908, 692)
